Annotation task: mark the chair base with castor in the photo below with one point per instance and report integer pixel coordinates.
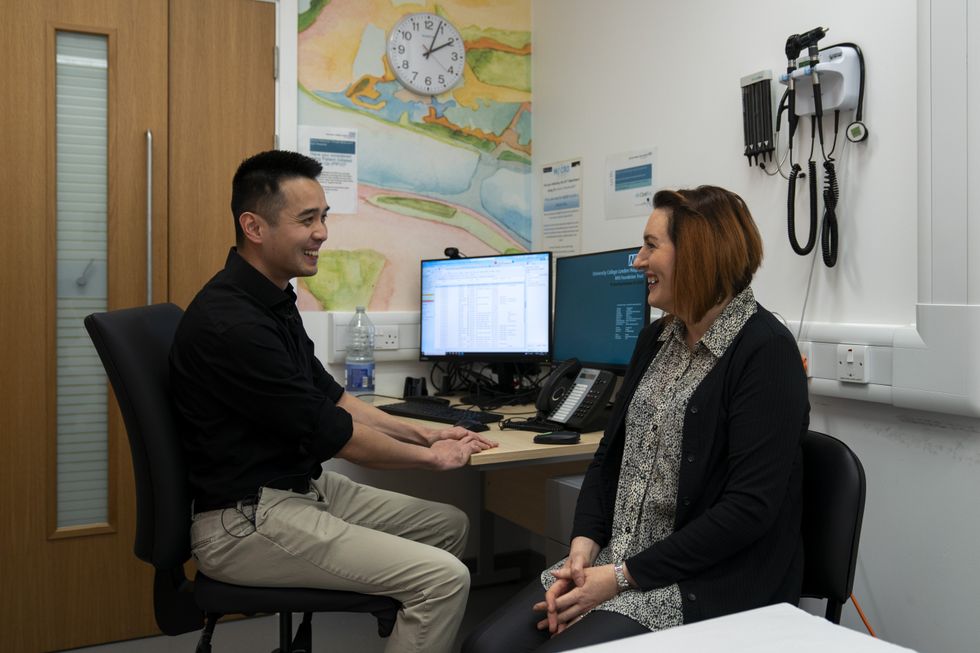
(134, 346)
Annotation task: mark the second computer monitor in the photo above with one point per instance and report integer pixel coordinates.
(600, 308)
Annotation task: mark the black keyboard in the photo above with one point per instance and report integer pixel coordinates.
(435, 412)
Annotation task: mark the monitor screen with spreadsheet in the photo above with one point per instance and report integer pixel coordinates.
(487, 308)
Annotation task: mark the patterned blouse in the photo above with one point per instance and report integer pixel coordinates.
(647, 493)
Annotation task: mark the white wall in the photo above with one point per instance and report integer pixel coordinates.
(666, 74)
(628, 74)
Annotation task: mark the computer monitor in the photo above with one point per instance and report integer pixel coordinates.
(600, 308)
(491, 309)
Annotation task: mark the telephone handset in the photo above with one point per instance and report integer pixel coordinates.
(576, 396)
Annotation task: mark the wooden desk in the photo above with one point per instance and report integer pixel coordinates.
(519, 447)
(513, 483)
(516, 471)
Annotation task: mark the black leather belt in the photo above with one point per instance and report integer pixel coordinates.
(203, 505)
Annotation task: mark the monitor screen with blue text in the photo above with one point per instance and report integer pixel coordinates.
(600, 308)
(487, 308)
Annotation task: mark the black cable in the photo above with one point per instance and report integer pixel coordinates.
(828, 235)
(836, 130)
(859, 112)
(791, 214)
(811, 168)
(794, 172)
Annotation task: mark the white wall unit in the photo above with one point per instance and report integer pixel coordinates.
(328, 330)
(925, 366)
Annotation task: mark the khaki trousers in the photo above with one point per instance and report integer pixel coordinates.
(347, 536)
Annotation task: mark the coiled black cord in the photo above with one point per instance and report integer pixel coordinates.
(794, 173)
(828, 232)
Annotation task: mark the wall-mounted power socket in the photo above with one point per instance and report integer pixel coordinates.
(386, 336)
(852, 363)
(396, 335)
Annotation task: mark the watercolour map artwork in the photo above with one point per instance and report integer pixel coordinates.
(434, 172)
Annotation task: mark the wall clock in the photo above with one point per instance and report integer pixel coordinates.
(426, 53)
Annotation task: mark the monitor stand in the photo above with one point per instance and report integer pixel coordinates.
(508, 386)
(506, 376)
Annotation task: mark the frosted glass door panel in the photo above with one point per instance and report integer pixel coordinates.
(82, 136)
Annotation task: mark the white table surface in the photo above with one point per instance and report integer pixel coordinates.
(779, 628)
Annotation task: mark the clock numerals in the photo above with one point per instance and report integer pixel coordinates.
(425, 52)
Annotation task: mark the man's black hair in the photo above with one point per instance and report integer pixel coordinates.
(255, 187)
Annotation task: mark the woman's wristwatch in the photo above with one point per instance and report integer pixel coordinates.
(622, 583)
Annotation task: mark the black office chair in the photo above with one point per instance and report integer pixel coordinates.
(134, 345)
(833, 508)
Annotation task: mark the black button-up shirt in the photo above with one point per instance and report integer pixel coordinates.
(258, 407)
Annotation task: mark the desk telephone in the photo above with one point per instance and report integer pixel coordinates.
(576, 396)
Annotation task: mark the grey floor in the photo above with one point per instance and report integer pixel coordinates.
(331, 632)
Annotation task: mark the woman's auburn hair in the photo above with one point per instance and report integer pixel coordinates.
(717, 246)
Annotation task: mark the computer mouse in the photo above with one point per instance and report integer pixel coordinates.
(557, 437)
(472, 425)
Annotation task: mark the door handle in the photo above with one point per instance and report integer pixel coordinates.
(149, 216)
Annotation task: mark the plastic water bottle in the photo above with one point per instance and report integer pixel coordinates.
(360, 354)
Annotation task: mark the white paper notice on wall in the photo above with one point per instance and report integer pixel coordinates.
(630, 183)
(561, 196)
(336, 150)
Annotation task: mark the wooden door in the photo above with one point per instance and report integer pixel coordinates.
(71, 586)
(80, 584)
(222, 110)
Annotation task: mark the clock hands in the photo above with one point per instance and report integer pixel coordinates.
(446, 44)
(433, 41)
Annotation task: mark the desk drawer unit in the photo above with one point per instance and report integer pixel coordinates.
(561, 493)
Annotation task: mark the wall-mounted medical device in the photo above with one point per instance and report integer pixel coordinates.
(757, 117)
(840, 81)
(818, 80)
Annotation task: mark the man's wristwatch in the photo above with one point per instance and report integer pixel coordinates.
(622, 584)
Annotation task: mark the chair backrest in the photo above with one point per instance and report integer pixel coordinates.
(134, 345)
(833, 508)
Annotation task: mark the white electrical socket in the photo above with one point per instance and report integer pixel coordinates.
(396, 335)
(852, 363)
(386, 336)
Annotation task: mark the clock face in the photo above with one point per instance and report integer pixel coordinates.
(426, 53)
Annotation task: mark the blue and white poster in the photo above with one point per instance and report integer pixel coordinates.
(561, 195)
(336, 150)
(629, 187)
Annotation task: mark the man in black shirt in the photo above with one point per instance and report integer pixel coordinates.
(261, 413)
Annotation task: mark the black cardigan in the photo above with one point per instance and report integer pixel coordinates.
(736, 543)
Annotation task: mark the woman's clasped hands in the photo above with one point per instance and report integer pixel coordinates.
(578, 587)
